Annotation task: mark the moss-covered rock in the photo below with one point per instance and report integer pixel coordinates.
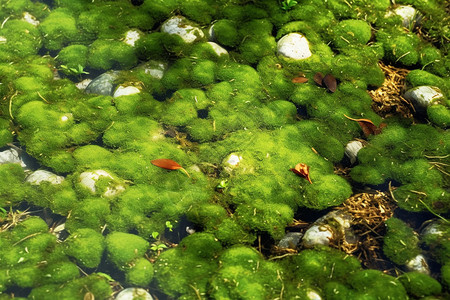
(245, 275)
(107, 54)
(191, 265)
(420, 285)
(86, 246)
(123, 248)
(400, 243)
(140, 272)
(93, 285)
(20, 40)
(351, 32)
(58, 29)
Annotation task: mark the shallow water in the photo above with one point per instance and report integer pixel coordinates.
(256, 143)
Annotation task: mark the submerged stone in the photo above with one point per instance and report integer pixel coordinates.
(329, 229)
(290, 240)
(103, 84)
(423, 96)
(38, 176)
(294, 45)
(125, 91)
(131, 37)
(352, 149)
(418, 264)
(179, 25)
(133, 293)
(410, 16)
(89, 180)
(11, 156)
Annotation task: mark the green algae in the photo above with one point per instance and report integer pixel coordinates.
(400, 243)
(205, 108)
(86, 246)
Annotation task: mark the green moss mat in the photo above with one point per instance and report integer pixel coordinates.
(256, 141)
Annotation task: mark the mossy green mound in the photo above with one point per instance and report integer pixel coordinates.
(252, 140)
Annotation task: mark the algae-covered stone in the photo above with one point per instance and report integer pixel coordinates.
(400, 47)
(133, 293)
(39, 176)
(86, 246)
(420, 285)
(91, 214)
(58, 29)
(123, 248)
(423, 96)
(400, 243)
(191, 264)
(420, 77)
(276, 216)
(100, 181)
(332, 190)
(225, 32)
(245, 275)
(377, 285)
(19, 39)
(93, 285)
(182, 27)
(351, 32)
(73, 56)
(435, 237)
(61, 272)
(318, 265)
(439, 115)
(11, 178)
(107, 54)
(5, 134)
(102, 84)
(140, 272)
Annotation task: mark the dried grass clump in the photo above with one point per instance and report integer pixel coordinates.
(369, 211)
(388, 99)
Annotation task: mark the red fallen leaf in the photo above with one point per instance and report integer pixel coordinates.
(168, 164)
(302, 170)
(367, 126)
(330, 82)
(318, 77)
(299, 80)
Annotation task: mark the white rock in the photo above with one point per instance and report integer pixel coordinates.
(134, 293)
(131, 37)
(89, 180)
(179, 25)
(154, 68)
(313, 295)
(290, 240)
(231, 162)
(317, 235)
(11, 156)
(218, 49)
(211, 34)
(409, 15)
(38, 176)
(294, 45)
(190, 230)
(27, 17)
(418, 264)
(64, 118)
(3, 40)
(125, 91)
(352, 149)
(326, 229)
(433, 228)
(423, 96)
(82, 85)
